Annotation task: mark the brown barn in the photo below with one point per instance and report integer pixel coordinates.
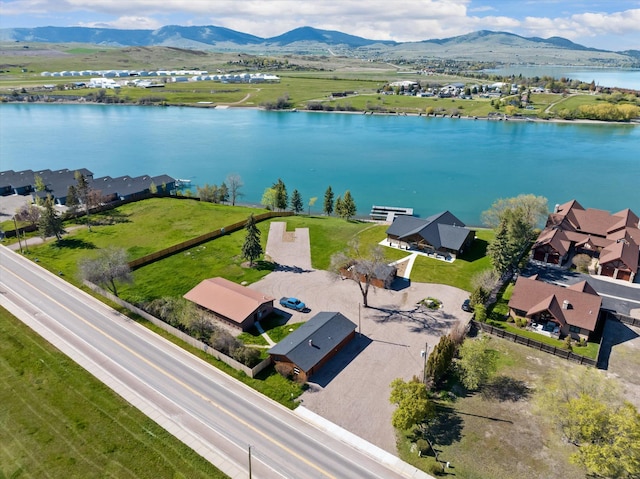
(230, 302)
(308, 348)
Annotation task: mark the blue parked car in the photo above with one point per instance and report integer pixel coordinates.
(292, 303)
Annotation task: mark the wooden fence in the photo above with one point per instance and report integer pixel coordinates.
(532, 343)
(623, 318)
(163, 253)
(251, 372)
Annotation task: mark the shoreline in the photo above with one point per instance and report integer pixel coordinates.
(499, 117)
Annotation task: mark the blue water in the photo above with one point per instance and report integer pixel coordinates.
(430, 164)
(606, 77)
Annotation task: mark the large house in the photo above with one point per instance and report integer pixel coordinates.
(612, 239)
(557, 310)
(231, 303)
(440, 234)
(304, 351)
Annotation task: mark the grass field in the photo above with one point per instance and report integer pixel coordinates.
(136, 228)
(461, 271)
(494, 439)
(59, 421)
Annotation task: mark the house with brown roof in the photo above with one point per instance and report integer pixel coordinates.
(612, 239)
(231, 303)
(303, 352)
(555, 310)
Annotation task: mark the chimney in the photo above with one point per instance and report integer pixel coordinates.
(565, 304)
(311, 342)
(555, 210)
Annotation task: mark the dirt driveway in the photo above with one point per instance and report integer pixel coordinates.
(352, 390)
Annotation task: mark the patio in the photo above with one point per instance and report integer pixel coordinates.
(548, 328)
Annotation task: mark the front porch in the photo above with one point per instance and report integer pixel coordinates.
(418, 248)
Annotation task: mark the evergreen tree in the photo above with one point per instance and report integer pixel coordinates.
(296, 202)
(50, 223)
(251, 249)
(339, 207)
(83, 189)
(328, 201)
(223, 193)
(153, 189)
(72, 199)
(500, 249)
(440, 359)
(282, 199)
(348, 205)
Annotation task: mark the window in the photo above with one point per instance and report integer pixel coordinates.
(575, 329)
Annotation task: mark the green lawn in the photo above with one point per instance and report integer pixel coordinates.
(461, 271)
(141, 228)
(59, 421)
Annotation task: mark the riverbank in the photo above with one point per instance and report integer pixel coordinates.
(212, 106)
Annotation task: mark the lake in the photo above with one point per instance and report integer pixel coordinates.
(430, 164)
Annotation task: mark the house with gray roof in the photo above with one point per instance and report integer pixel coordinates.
(307, 349)
(439, 234)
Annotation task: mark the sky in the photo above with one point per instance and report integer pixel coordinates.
(606, 24)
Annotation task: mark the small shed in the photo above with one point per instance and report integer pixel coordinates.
(230, 302)
(308, 348)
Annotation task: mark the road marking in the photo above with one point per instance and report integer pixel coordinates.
(178, 381)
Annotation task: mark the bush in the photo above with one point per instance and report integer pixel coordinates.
(479, 296)
(480, 313)
(435, 469)
(582, 262)
(567, 344)
(423, 447)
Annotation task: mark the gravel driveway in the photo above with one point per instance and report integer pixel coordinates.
(352, 390)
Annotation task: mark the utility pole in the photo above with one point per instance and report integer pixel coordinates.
(359, 325)
(15, 223)
(249, 461)
(425, 354)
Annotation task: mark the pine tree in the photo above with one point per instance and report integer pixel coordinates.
(72, 199)
(328, 201)
(251, 249)
(50, 223)
(339, 207)
(500, 249)
(349, 206)
(282, 199)
(440, 359)
(83, 189)
(296, 202)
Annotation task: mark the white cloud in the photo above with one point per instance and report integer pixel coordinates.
(400, 20)
(126, 23)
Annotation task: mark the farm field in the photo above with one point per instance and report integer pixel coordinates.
(59, 421)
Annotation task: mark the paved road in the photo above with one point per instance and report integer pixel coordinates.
(216, 415)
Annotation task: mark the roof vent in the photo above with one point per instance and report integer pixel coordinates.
(565, 304)
(557, 208)
(311, 342)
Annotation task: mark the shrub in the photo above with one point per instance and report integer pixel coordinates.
(423, 447)
(582, 262)
(480, 313)
(479, 296)
(435, 468)
(567, 344)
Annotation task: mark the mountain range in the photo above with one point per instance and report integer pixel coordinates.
(477, 46)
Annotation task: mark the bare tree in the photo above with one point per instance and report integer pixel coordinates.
(29, 213)
(361, 266)
(532, 209)
(234, 183)
(108, 267)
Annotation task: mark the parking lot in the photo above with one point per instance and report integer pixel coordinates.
(352, 390)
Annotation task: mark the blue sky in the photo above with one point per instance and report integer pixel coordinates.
(611, 25)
